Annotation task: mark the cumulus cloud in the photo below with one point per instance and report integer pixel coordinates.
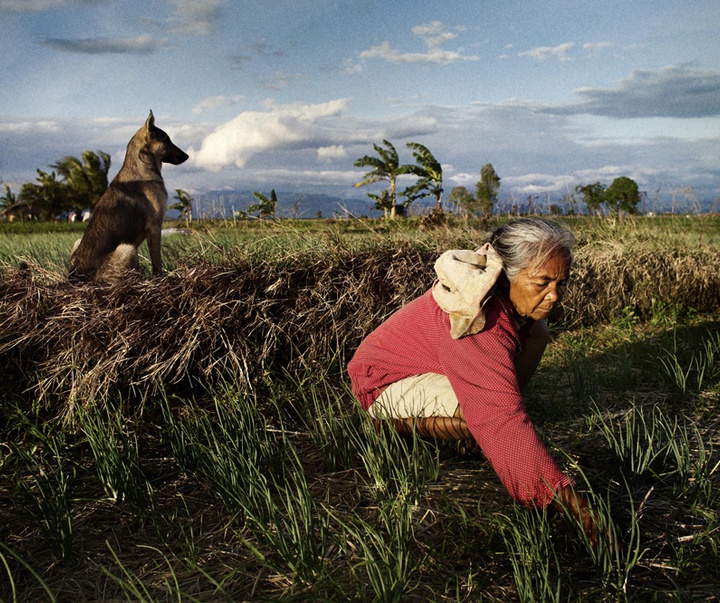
(26, 126)
(675, 91)
(437, 56)
(320, 128)
(144, 44)
(433, 35)
(537, 184)
(335, 151)
(544, 53)
(252, 132)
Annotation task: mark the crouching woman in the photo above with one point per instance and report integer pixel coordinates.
(452, 363)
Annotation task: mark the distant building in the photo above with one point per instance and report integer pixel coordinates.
(20, 212)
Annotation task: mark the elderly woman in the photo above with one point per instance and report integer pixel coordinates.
(452, 363)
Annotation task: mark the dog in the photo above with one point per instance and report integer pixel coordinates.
(131, 210)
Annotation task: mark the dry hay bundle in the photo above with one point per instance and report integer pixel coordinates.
(201, 323)
(207, 322)
(606, 282)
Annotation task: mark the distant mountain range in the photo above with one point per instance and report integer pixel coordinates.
(224, 204)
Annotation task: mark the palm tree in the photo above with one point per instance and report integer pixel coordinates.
(8, 199)
(183, 205)
(382, 202)
(385, 167)
(429, 173)
(50, 198)
(87, 177)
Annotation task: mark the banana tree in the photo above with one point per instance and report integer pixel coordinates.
(385, 167)
(429, 173)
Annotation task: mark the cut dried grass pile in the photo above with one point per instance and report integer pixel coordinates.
(207, 322)
(199, 324)
(606, 282)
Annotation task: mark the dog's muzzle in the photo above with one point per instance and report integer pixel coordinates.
(175, 156)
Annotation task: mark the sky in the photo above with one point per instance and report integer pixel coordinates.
(287, 94)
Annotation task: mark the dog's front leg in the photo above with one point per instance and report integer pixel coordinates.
(153, 241)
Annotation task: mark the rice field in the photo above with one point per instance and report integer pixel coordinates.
(193, 437)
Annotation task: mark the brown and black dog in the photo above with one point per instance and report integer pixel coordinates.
(130, 211)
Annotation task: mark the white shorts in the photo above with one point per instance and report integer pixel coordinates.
(426, 395)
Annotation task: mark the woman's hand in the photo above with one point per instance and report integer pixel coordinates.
(566, 499)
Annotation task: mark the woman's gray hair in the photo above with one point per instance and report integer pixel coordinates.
(529, 242)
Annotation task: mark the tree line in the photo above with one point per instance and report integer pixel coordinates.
(76, 184)
(386, 167)
(621, 196)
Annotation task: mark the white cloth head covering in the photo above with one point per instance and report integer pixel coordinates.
(466, 280)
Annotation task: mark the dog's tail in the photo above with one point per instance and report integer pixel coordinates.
(119, 264)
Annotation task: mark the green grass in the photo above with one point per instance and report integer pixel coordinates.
(285, 491)
(48, 245)
(291, 492)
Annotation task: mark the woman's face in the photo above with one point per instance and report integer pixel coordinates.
(536, 290)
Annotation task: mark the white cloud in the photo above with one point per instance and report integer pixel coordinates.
(537, 184)
(215, 102)
(252, 132)
(335, 151)
(466, 179)
(434, 35)
(596, 47)
(535, 148)
(22, 127)
(438, 56)
(306, 177)
(543, 53)
(296, 132)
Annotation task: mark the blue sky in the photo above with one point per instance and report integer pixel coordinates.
(289, 93)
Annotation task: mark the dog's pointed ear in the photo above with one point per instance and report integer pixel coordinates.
(150, 122)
